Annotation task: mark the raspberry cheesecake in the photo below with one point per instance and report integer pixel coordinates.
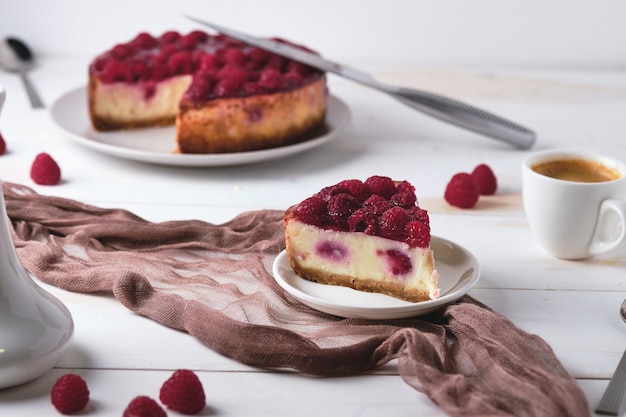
(222, 95)
(368, 235)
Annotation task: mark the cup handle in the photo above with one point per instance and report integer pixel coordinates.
(610, 229)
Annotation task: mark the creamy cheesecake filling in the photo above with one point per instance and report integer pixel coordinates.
(376, 261)
(125, 102)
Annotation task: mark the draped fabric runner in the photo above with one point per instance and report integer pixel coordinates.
(215, 282)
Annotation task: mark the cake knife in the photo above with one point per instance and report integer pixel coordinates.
(443, 108)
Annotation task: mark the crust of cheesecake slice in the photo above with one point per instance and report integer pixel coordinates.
(393, 289)
(252, 123)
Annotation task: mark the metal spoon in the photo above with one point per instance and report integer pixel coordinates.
(611, 401)
(15, 56)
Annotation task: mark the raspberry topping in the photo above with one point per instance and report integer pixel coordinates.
(45, 170)
(485, 179)
(144, 406)
(221, 67)
(69, 394)
(461, 191)
(183, 392)
(377, 206)
(3, 145)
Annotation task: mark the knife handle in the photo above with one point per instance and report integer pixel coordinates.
(466, 116)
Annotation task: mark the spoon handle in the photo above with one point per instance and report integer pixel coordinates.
(611, 401)
(33, 95)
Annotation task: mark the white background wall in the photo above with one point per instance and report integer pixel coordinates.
(529, 33)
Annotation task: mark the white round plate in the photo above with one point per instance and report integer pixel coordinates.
(458, 273)
(157, 145)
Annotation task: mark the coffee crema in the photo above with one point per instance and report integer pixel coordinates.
(576, 170)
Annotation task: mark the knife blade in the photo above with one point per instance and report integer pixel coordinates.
(444, 108)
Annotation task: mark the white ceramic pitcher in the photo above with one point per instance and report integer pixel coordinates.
(35, 327)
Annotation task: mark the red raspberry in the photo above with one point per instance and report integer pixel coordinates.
(418, 234)
(69, 394)
(271, 79)
(393, 222)
(180, 63)
(143, 406)
(383, 186)
(340, 208)
(312, 211)
(363, 220)
(485, 179)
(116, 71)
(461, 191)
(355, 188)
(3, 145)
(169, 37)
(144, 41)
(420, 215)
(183, 392)
(45, 170)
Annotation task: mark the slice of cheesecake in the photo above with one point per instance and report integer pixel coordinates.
(368, 235)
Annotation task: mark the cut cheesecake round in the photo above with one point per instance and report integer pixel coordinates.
(369, 236)
(222, 95)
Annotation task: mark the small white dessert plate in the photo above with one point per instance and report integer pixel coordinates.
(458, 273)
(157, 145)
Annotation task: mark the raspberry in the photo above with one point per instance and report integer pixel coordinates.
(406, 199)
(116, 71)
(393, 222)
(461, 191)
(169, 37)
(383, 186)
(45, 170)
(399, 263)
(418, 234)
(143, 406)
(363, 220)
(180, 63)
(311, 211)
(183, 392)
(485, 179)
(420, 215)
(144, 41)
(3, 145)
(355, 188)
(69, 394)
(378, 204)
(270, 78)
(340, 208)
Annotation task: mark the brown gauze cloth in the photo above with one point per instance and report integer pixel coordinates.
(215, 283)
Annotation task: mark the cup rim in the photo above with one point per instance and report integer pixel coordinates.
(553, 154)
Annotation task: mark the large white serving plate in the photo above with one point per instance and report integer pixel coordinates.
(157, 145)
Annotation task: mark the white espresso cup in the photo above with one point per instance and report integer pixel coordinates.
(575, 202)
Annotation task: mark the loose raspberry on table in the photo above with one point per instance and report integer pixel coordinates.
(183, 392)
(461, 191)
(45, 170)
(485, 179)
(3, 145)
(69, 394)
(144, 406)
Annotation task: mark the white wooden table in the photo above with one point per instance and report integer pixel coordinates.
(572, 305)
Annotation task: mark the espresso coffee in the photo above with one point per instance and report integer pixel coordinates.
(577, 170)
